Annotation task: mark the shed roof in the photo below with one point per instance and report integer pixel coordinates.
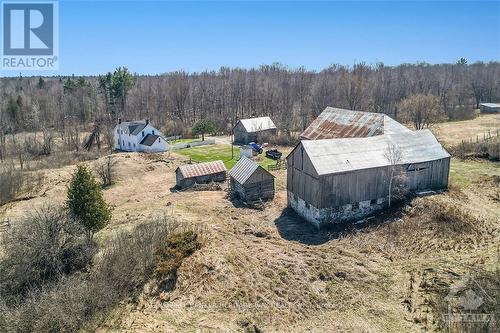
(331, 156)
(244, 169)
(341, 123)
(202, 169)
(252, 125)
(491, 105)
(149, 139)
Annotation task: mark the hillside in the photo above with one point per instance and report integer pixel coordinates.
(267, 270)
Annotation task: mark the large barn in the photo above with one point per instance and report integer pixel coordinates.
(200, 173)
(253, 130)
(340, 123)
(250, 181)
(334, 180)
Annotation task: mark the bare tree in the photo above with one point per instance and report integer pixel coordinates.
(421, 110)
(105, 171)
(394, 156)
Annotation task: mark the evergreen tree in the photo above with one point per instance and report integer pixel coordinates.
(86, 203)
(203, 127)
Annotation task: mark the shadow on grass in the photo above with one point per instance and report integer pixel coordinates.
(293, 227)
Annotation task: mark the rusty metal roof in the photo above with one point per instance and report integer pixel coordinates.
(202, 169)
(340, 123)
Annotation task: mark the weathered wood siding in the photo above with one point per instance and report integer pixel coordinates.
(335, 190)
(260, 185)
(302, 178)
(205, 179)
(241, 136)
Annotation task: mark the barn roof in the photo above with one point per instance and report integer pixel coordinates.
(202, 169)
(491, 105)
(331, 156)
(257, 124)
(243, 169)
(149, 139)
(341, 123)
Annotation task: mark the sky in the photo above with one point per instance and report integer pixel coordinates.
(154, 37)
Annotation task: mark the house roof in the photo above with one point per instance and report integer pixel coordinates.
(331, 156)
(341, 123)
(243, 169)
(133, 127)
(149, 139)
(257, 124)
(202, 169)
(491, 105)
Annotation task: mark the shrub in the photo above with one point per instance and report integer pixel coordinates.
(39, 250)
(170, 255)
(12, 181)
(105, 170)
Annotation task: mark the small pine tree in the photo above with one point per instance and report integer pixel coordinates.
(86, 203)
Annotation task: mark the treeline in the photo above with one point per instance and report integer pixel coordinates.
(292, 97)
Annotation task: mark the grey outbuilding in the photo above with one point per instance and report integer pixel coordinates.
(250, 182)
(335, 180)
(489, 107)
(253, 130)
(200, 173)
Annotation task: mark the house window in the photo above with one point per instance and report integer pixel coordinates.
(355, 205)
(153, 132)
(373, 202)
(129, 144)
(118, 131)
(307, 205)
(158, 140)
(134, 145)
(142, 133)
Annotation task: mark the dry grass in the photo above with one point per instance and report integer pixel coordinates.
(268, 270)
(453, 132)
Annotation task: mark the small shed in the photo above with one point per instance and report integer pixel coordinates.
(490, 107)
(250, 181)
(253, 130)
(200, 173)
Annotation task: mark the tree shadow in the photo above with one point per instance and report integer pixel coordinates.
(293, 227)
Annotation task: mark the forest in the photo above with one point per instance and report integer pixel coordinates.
(291, 96)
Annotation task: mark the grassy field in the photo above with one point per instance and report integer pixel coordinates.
(221, 152)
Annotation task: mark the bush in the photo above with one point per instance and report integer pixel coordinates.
(105, 170)
(40, 250)
(78, 300)
(170, 255)
(12, 181)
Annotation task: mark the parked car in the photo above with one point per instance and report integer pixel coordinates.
(275, 154)
(256, 147)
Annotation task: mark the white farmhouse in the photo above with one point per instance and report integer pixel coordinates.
(138, 136)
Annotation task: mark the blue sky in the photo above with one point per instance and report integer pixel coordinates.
(160, 36)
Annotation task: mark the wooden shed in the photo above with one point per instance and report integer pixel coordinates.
(250, 181)
(335, 180)
(253, 130)
(200, 173)
(490, 107)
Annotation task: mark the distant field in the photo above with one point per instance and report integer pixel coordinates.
(221, 152)
(453, 132)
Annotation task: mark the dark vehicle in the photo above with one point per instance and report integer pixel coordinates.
(275, 154)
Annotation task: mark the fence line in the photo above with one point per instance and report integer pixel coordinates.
(485, 137)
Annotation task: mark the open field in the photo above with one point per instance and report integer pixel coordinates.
(269, 270)
(453, 132)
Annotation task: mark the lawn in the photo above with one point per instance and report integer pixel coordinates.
(220, 152)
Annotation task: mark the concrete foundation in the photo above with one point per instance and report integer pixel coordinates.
(322, 216)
